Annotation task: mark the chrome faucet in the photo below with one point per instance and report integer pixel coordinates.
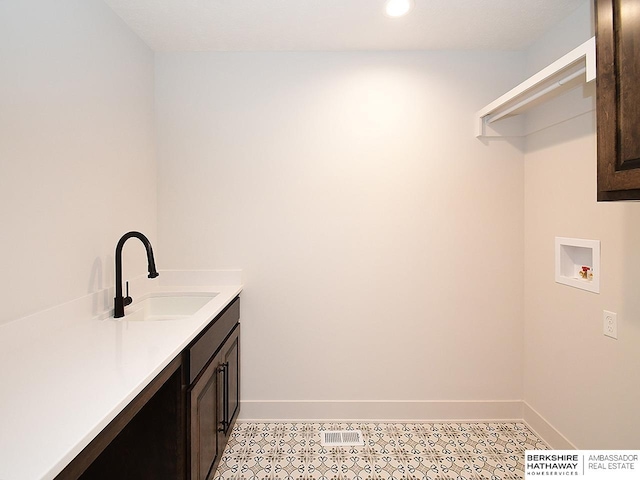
(119, 301)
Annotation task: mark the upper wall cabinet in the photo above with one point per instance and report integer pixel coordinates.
(618, 99)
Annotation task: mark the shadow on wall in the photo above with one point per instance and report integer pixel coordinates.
(631, 264)
(579, 102)
(96, 285)
(539, 120)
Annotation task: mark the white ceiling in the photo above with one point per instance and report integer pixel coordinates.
(330, 25)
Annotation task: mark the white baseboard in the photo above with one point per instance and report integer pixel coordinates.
(424, 411)
(543, 429)
(405, 411)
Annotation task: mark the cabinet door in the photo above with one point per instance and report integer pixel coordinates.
(618, 99)
(228, 409)
(204, 422)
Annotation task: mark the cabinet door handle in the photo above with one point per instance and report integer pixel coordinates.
(224, 424)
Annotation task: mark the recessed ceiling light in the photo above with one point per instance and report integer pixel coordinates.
(398, 8)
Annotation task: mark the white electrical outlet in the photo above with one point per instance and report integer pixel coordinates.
(610, 324)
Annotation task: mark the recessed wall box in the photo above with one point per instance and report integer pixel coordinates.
(578, 263)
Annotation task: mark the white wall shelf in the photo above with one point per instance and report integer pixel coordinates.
(565, 72)
(573, 256)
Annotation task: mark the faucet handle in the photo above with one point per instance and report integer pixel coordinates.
(127, 299)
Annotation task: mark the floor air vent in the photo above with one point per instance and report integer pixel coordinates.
(341, 438)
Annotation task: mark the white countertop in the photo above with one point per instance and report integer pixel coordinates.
(64, 376)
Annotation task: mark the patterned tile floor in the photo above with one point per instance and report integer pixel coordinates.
(392, 451)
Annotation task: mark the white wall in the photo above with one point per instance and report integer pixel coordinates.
(76, 150)
(381, 242)
(351, 191)
(582, 383)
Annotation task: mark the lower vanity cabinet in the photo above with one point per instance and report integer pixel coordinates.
(213, 395)
(178, 426)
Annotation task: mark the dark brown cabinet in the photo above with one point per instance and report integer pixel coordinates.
(618, 99)
(203, 423)
(214, 392)
(178, 426)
